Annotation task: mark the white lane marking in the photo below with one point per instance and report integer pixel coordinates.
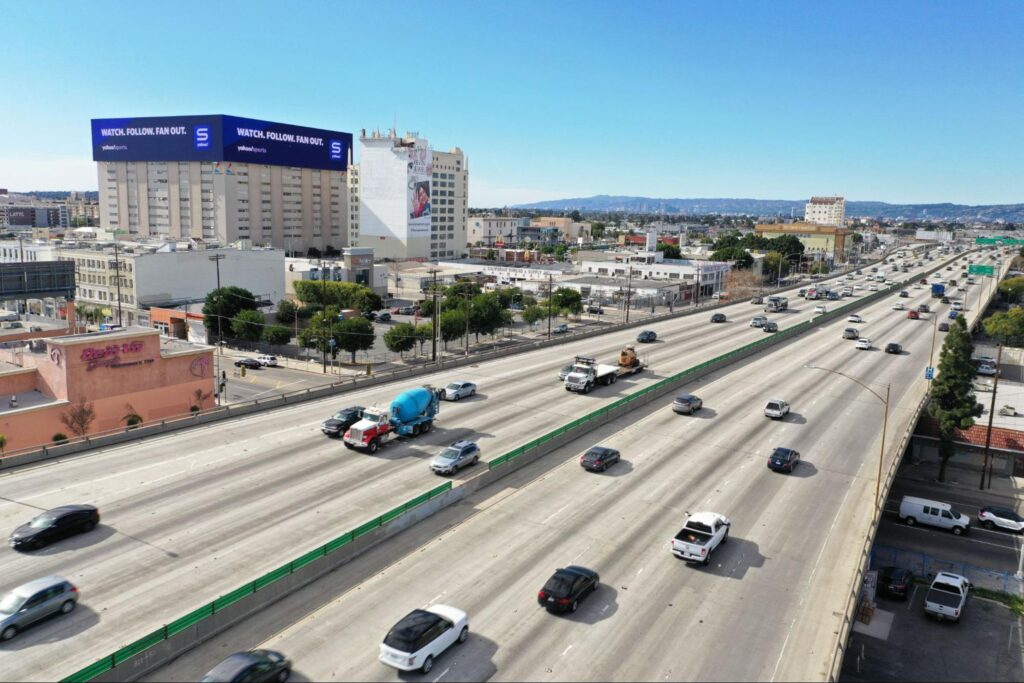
(605, 609)
(913, 594)
(442, 674)
(566, 649)
(555, 513)
(639, 571)
(580, 553)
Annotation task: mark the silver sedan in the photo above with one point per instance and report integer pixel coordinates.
(457, 390)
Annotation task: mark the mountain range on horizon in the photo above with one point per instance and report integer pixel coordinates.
(987, 213)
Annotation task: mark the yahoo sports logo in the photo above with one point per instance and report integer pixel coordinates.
(202, 137)
(336, 148)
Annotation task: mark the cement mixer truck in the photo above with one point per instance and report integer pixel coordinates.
(411, 413)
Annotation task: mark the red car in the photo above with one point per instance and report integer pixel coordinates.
(923, 281)
(913, 315)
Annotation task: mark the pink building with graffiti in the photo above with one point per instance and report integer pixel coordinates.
(133, 371)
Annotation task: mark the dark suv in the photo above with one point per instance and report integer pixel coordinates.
(893, 347)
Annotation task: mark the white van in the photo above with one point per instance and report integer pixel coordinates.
(923, 511)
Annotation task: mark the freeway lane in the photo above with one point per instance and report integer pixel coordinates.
(765, 609)
(191, 515)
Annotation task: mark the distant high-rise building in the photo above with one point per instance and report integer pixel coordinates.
(412, 200)
(223, 179)
(826, 211)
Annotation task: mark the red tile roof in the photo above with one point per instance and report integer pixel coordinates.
(1002, 438)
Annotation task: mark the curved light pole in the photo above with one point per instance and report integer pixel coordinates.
(786, 256)
(885, 420)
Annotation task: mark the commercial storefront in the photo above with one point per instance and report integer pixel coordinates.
(113, 375)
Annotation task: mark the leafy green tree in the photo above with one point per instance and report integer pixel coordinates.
(738, 255)
(286, 311)
(670, 251)
(355, 334)
(485, 314)
(819, 267)
(560, 252)
(533, 314)
(427, 308)
(856, 238)
(277, 335)
(529, 300)
(1012, 288)
(323, 326)
(597, 229)
(424, 333)
(953, 404)
(247, 325)
(491, 255)
(340, 294)
(400, 338)
(1006, 326)
(567, 299)
(226, 303)
(452, 325)
(773, 260)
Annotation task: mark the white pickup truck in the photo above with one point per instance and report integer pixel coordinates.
(947, 596)
(702, 533)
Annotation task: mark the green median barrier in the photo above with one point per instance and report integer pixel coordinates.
(418, 500)
(232, 597)
(364, 529)
(132, 649)
(90, 672)
(311, 556)
(190, 619)
(391, 514)
(272, 576)
(438, 490)
(500, 460)
(339, 542)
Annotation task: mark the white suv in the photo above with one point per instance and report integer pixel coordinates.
(266, 360)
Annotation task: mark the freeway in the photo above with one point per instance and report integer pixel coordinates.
(190, 515)
(767, 608)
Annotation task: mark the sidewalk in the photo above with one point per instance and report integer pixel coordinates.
(1008, 490)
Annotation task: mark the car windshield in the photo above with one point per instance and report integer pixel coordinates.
(449, 454)
(780, 454)
(43, 521)
(11, 603)
(454, 387)
(596, 453)
(558, 585)
(683, 399)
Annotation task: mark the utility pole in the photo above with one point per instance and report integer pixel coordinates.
(117, 271)
(433, 333)
(466, 309)
(217, 258)
(629, 284)
(550, 293)
(323, 289)
(991, 414)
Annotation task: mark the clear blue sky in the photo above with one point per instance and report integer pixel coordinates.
(893, 101)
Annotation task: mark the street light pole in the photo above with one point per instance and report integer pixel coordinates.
(550, 292)
(323, 289)
(629, 284)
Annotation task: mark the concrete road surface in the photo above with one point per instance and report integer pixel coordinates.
(767, 608)
(189, 516)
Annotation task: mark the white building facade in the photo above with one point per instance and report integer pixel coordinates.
(826, 211)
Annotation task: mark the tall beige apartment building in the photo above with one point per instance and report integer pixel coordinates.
(825, 211)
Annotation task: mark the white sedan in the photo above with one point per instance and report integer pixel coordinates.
(864, 344)
(872, 288)
(917, 286)
(422, 636)
(854, 318)
(858, 286)
(897, 306)
(819, 309)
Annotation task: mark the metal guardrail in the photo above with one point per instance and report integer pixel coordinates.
(125, 653)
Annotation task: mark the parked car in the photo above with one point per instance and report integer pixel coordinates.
(267, 361)
(647, 336)
(758, 321)
(407, 310)
(262, 666)
(53, 525)
(851, 333)
(864, 344)
(895, 582)
(1002, 518)
(943, 515)
(913, 315)
(599, 458)
(943, 327)
(854, 318)
(459, 390)
(453, 458)
(338, 424)
(783, 460)
(718, 318)
(893, 347)
(383, 317)
(567, 587)
(770, 326)
(250, 363)
(947, 596)
(776, 409)
(987, 370)
(687, 404)
(369, 315)
(422, 636)
(595, 310)
(33, 601)
(561, 329)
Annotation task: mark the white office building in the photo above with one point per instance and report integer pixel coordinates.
(826, 211)
(413, 201)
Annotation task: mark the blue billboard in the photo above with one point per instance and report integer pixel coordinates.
(219, 138)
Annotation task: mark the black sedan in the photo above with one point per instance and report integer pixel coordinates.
(783, 460)
(599, 458)
(254, 665)
(718, 318)
(54, 525)
(250, 363)
(567, 587)
(893, 347)
(895, 582)
(647, 336)
(338, 423)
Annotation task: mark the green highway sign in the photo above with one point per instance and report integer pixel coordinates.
(981, 270)
(994, 241)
